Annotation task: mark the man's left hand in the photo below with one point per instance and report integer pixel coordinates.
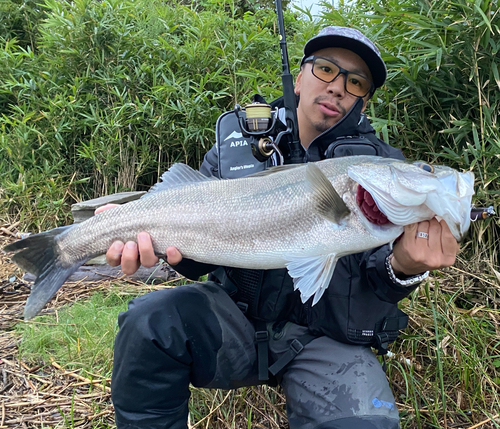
(416, 253)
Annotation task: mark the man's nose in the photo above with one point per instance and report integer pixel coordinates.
(336, 86)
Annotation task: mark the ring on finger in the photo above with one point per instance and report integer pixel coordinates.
(421, 234)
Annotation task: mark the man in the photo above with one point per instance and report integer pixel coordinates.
(206, 333)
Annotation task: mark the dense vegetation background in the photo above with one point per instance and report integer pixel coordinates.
(102, 96)
(98, 97)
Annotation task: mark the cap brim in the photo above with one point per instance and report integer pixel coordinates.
(372, 60)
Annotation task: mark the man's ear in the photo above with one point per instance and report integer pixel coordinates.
(297, 83)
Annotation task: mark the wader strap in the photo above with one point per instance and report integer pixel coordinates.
(262, 340)
(296, 346)
(388, 331)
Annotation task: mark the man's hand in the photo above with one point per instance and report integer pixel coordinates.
(416, 253)
(132, 255)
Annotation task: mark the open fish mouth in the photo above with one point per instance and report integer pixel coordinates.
(369, 207)
(406, 193)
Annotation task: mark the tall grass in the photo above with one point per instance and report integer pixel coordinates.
(98, 97)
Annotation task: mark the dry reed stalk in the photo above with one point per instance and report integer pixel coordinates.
(79, 377)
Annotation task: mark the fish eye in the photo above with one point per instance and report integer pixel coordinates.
(426, 167)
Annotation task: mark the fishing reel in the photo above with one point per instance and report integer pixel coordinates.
(260, 121)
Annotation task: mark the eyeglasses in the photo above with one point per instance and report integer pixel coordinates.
(327, 71)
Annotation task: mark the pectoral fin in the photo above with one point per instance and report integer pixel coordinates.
(311, 275)
(328, 202)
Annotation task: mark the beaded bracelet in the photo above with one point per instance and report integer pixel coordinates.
(408, 282)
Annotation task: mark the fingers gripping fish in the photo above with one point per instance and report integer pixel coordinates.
(303, 217)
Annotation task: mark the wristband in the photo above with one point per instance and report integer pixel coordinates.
(413, 280)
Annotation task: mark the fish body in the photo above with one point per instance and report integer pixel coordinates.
(302, 217)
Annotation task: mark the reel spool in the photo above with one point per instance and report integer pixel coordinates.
(258, 117)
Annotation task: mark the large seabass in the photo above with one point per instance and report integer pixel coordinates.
(303, 217)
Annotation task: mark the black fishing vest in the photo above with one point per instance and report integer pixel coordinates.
(350, 311)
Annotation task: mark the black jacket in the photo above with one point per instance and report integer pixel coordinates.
(361, 300)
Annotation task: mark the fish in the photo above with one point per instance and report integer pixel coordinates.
(302, 217)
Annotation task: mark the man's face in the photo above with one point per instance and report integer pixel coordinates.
(323, 104)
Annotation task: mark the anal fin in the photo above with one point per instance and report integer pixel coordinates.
(311, 275)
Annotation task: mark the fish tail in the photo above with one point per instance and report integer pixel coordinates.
(39, 255)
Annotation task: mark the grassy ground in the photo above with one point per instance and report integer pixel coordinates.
(55, 370)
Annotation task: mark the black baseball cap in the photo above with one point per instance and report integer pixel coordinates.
(355, 41)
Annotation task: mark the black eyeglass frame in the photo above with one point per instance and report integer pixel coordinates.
(342, 71)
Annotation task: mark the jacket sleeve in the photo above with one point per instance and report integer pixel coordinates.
(187, 267)
(372, 263)
(193, 270)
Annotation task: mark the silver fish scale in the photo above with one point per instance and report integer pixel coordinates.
(254, 222)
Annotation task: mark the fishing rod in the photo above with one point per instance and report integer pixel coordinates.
(289, 98)
(261, 121)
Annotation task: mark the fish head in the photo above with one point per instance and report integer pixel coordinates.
(410, 192)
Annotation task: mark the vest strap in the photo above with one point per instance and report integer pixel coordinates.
(262, 340)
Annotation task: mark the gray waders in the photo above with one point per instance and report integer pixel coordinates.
(197, 334)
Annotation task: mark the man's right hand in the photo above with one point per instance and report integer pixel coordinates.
(132, 255)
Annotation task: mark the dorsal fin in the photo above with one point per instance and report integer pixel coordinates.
(178, 175)
(329, 204)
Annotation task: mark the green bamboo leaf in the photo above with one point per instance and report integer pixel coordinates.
(485, 18)
(494, 69)
(385, 133)
(475, 136)
(439, 55)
